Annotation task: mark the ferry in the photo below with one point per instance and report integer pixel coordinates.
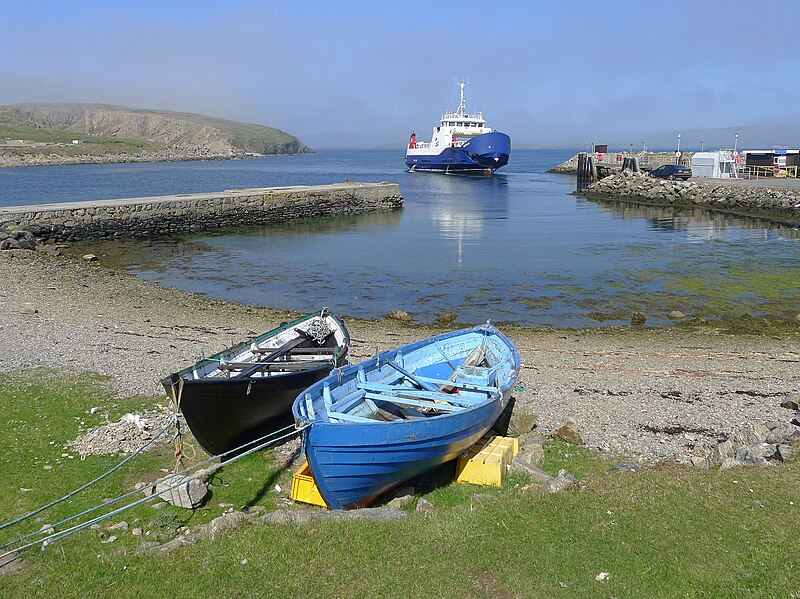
(462, 143)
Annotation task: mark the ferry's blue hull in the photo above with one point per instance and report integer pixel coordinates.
(354, 462)
(487, 152)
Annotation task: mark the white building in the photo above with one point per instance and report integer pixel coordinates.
(714, 165)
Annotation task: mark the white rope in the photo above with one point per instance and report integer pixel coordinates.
(56, 536)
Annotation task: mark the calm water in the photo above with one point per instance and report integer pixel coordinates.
(515, 246)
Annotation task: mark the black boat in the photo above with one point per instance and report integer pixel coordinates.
(246, 391)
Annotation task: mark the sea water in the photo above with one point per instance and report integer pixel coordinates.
(515, 246)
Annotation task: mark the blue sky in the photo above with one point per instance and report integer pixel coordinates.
(549, 73)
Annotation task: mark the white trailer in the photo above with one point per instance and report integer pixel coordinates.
(714, 165)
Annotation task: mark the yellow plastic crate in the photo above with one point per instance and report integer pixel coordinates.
(486, 462)
(304, 489)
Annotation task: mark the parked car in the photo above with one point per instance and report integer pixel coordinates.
(672, 171)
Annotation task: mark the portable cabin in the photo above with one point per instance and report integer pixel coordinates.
(713, 165)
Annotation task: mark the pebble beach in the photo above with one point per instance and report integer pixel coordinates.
(647, 393)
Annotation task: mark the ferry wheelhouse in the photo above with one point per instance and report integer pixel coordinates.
(462, 143)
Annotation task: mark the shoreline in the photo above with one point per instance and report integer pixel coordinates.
(656, 393)
(12, 161)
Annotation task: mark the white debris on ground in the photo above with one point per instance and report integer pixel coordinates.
(125, 435)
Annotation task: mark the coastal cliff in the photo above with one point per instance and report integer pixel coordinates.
(41, 134)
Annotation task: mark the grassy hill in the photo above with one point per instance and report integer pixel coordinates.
(104, 131)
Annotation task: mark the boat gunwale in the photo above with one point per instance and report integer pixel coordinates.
(351, 371)
(263, 336)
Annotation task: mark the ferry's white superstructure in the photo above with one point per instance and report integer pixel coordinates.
(461, 143)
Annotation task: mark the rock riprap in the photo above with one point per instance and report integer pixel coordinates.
(774, 203)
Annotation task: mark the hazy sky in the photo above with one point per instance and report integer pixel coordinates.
(551, 73)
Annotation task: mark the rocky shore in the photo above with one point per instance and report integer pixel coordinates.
(650, 393)
(775, 201)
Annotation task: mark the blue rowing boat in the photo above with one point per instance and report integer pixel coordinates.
(368, 427)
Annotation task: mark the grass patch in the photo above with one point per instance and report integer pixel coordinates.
(663, 532)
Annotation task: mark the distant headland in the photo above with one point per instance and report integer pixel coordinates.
(50, 134)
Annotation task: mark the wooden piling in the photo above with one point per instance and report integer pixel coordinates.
(581, 171)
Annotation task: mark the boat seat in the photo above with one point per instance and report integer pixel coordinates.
(348, 401)
(430, 396)
(444, 407)
(282, 350)
(471, 385)
(301, 351)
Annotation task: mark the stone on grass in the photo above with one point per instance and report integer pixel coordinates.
(730, 463)
(784, 452)
(676, 315)
(90, 258)
(532, 453)
(755, 454)
(401, 497)
(720, 453)
(224, 523)
(562, 481)
(423, 505)
(536, 475)
(568, 431)
(119, 526)
(136, 532)
(301, 517)
(189, 494)
(625, 466)
(531, 438)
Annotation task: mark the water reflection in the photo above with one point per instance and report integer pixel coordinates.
(699, 224)
(515, 246)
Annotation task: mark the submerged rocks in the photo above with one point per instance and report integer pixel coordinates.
(638, 319)
(400, 315)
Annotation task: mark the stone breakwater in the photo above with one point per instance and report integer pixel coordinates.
(26, 226)
(743, 198)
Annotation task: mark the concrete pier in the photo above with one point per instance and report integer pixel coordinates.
(187, 213)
